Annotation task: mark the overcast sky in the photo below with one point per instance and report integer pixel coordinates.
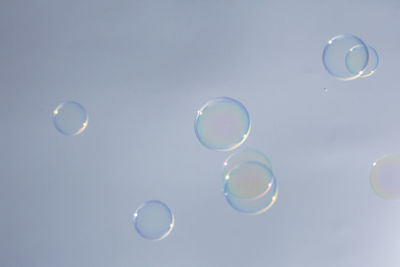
(142, 69)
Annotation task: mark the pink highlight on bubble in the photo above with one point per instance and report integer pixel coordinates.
(264, 193)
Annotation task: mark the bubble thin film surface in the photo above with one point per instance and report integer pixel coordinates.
(222, 124)
(153, 220)
(70, 118)
(334, 57)
(244, 155)
(355, 55)
(250, 188)
(385, 177)
(373, 62)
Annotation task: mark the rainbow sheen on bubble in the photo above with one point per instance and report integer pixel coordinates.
(250, 187)
(336, 51)
(70, 118)
(385, 177)
(153, 220)
(244, 155)
(222, 124)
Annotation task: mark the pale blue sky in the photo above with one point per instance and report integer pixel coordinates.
(142, 69)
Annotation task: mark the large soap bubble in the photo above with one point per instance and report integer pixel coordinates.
(356, 52)
(222, 124)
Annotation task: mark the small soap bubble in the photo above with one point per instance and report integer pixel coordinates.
(222, 124)
(70, 118)
(250, 188)
(336, 51)
(385, 177)
(244, 155)
(153, 220)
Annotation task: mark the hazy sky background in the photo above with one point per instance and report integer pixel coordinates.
(142, 69)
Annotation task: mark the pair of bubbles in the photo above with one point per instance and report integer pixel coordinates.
(222, 124)
(153, 219)
(347, 57)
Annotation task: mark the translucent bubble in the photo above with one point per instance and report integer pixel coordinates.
(334, 57)
(70, 118)
(250, 188)
(153, 220)
(222, 124)
(244, 155)
(373, 60)
(385, 177)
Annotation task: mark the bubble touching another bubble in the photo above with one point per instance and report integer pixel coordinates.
(353, 56)
(250, 187)
(222, 124)
(244, 155)
(153, 220)
(336, 51)
(373, 62)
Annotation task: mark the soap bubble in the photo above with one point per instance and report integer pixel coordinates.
(373, 60)
(250, 188)
(336, 51)
(244, 155)
(153, 220)
(355, 54)
(222, 124)
(385, 177)
(70, 118)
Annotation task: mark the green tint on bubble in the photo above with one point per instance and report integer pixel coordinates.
(250, 188)
(336, 51)
(244, 155)
(153, 220)
(222, 124)
(70, 118)
(385, 177)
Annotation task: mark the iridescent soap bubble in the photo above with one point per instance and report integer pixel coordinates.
(222, 124)
(70, 118)
(373, 60)
(250, 188)
(153, 220)
(244, 155)
(334, 57)
(385, 177)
